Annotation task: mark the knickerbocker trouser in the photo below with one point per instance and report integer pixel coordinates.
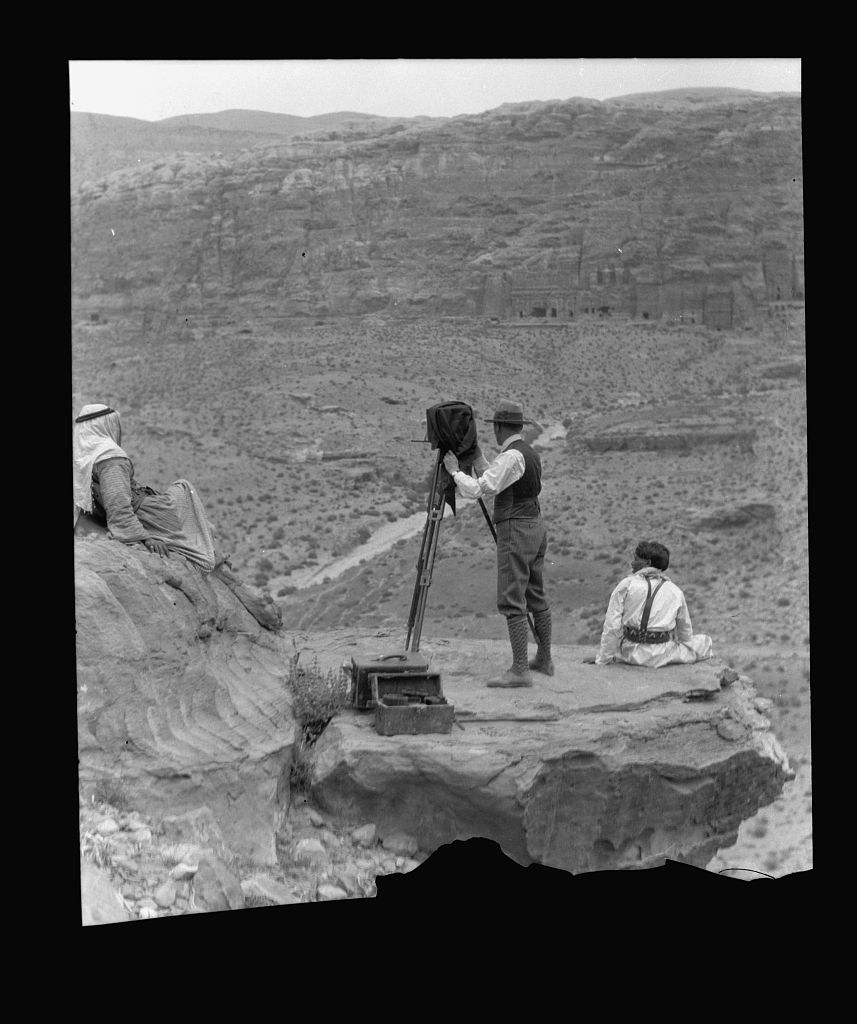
(521, 546)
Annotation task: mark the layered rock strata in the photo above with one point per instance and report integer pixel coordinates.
(558, 209)
(182, 699)
(595, 768)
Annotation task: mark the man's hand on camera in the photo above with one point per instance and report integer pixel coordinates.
(451, 463)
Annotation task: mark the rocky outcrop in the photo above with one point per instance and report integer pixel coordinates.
(747, 514)
(595, 768)
(679, 439)
(182, 696)
(184, 715)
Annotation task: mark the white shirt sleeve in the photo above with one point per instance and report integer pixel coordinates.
(683, 626)
(505, 470)
(611, 634)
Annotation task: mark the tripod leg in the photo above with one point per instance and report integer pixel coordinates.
(425, 579)
(427, 554)
(416, 594)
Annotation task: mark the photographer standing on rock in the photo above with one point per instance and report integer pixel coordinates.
(514, 479)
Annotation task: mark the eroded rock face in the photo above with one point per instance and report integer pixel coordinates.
(595, 768)
(181, 693)
(444, 217)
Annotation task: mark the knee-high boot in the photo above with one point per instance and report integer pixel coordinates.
(543, 661)
(519, 673)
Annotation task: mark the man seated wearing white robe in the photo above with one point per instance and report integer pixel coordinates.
(647, 621)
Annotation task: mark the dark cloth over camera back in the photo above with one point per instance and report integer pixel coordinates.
(451, 428)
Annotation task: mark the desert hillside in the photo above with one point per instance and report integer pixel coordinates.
(272, 322)
(554, 209)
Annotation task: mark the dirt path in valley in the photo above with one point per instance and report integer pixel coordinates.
(380, 541)
(386, 536)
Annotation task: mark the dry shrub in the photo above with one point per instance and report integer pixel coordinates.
(316, 697)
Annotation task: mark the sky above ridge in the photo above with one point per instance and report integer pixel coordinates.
(155, 89)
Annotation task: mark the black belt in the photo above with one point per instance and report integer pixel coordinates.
(645, 636)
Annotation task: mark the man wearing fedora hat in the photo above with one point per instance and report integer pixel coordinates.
(514, 479)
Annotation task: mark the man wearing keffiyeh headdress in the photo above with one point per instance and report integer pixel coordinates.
(171, 521)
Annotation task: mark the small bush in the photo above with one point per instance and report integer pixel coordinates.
(316, 697)
(113, 792)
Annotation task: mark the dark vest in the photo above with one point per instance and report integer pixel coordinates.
(520, 500)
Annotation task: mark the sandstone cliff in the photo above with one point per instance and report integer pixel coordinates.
(561, 208)
(182, 697)
(181, 693)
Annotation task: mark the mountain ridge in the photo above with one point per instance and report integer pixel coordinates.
(556, 209)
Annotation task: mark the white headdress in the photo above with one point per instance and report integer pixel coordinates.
(95, 436)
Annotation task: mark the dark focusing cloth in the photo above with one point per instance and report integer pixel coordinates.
(450, 427)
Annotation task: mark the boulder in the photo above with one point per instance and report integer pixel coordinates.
(400, 843)
(594, 768)
(331, 892)
(181, 693)
(310, 852)
(364, 835)
(100, 903)
(215, 887)
(745, 514)
(268, 890)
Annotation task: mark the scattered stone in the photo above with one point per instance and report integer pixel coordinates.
(215, 887)
(183, 871)
(309, 851)
(364, 863)
(728, 676)
(400, 843)
(349, 880)
(142, 835)
(181, 853)
(315, 818)
(144, 913)
(106, 827)
(129, 891)
(165, 895)
(99, 901)
(731, 730)
(147, 903)
(331, 892)
(763, 705)
(365, 835)
(197, 827)
(400, 861)
(126, 864)
(269, 889)
(408, 865)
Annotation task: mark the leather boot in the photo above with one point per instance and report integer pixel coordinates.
(543, 661)
(519, 673)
